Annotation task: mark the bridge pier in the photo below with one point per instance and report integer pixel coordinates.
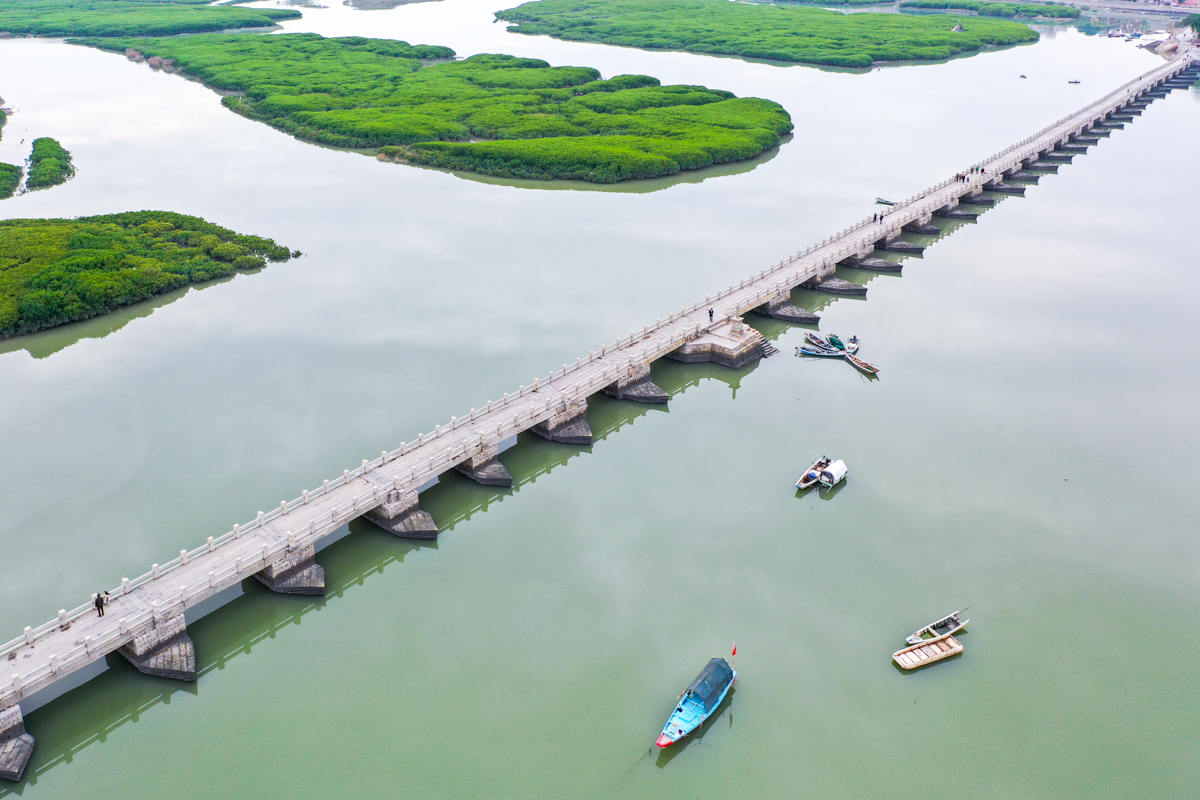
(16, 746)
(637, 386)
(952, 211)
(569, 426)
(976, 199)
(1004, 188)
(400, 516)
(485, 468)
(731, 344)
(892, 243)
(295, 572)
(921, 225)
(874, 264)
(780, 307)
(166, 651)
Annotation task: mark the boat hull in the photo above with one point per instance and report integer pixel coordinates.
(668, 738)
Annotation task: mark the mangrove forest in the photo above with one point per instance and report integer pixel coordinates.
(131, 17)
(987, 8)
(49, 164)
(797, 34)
(493, 114)
(10, 174)
(54, 271)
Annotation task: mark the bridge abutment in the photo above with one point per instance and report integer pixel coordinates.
(400, 516)
(485, 468)
(568, 426)
(296, 572)
(166, 651)
(16, 746)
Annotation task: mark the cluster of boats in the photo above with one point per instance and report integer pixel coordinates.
(824, 471)
(932, 643)
(833, 347)
(705, 694)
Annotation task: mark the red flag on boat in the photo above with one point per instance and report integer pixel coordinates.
(735, 648)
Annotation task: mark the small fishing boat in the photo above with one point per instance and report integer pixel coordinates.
(813, 474)
(870, 369)
(833, 474)
(820, 351)
(1074, 81)
(698, 701)
(816, 340)
(885, 202)
(951, 623)
(850, 345)
(927, 652)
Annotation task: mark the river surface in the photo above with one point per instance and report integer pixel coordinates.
(1028, 450)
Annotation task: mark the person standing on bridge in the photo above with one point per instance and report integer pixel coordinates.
(710, 315)
(99, 603)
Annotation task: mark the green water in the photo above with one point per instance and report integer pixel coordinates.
(1028, 450)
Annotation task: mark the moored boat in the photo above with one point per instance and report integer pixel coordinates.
(932, 643)
(812, 475)
(870, 369)
(820, 351)
(833, 474)
(850, 345)
(698, 701)
(951, 623)
(816, 340)
(927, 652)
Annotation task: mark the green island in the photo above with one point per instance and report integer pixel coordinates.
(131, 17)
(798, 34)
(54, 271)
(493, 114)
(49, 164)
(987, 8)
(10, 179)
(10, 174)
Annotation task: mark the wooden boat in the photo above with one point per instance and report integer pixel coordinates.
(951, 623)
(813, 474)
(850, 345)
(816, 340)
(834, 474)
(885, 202)
(820, 351)
(698, 701)
(929, 651)
(870, 369)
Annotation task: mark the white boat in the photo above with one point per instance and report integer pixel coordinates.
(951, 623)
(813, 474)
(833, 474)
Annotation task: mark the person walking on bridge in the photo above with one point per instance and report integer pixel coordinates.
(710, 315)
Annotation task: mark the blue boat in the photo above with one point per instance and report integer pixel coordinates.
(698, 701)
(806, 350)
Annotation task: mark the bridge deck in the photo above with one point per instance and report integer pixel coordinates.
(57, 648)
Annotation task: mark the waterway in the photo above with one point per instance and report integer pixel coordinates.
(1028, 450)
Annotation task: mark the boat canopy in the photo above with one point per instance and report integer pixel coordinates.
(834, 473)
(711, 683)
